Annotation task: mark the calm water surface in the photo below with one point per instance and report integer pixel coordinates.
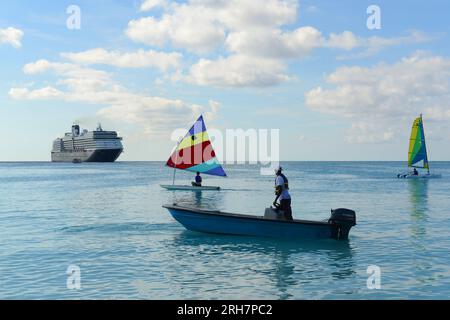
(108, 220)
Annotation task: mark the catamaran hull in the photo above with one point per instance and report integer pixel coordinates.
(419, 177)
(216, 222)
(190, 188)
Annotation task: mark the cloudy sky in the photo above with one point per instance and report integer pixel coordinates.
(336, 89)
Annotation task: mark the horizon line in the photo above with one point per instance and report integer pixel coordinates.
(238, 163)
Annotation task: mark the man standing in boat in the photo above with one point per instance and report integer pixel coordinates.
(282, 194)
(198, 180)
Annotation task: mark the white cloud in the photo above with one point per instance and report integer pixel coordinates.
(264, 52)
(67, 70)
(259, 55)
(273, 43)
(37, 67)
(378, 43)
(372, 45)
(201, 25)
(346, 40)
(438, 113)
(254, 32)
(148, 5)
(237, 71)
(244, 14)
(366, 132)
(39, 94)
(155, 116)
(11, 36)
(386, 96)
(247, 27)
(194, 31)
(138, 59)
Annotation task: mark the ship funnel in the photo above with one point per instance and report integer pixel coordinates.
(75, 130)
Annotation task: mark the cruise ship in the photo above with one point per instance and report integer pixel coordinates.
(87, 146)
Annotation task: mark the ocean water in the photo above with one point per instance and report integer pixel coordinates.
(107, 220)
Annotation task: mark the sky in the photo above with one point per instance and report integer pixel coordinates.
(338, 80)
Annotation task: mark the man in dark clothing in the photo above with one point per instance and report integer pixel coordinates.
(282, 193)
(198, 180)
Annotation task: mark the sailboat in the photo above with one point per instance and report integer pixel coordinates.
(417, 154)
(195, 153)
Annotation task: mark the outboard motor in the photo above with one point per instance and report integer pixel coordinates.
(343, 220)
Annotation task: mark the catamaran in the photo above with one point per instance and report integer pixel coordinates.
(417, 154)
(194, 153)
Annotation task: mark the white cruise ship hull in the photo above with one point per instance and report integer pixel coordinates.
(101, 155)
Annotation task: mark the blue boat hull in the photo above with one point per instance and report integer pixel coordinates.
(245, 225)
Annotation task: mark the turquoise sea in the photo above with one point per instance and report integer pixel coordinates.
(107, 220)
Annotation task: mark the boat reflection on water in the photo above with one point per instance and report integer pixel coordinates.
(286, 264)
(420, 253)
(199, 199)
(418, 191)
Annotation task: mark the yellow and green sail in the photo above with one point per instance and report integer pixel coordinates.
(417, 155)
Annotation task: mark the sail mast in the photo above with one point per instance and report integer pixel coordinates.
(174, 172)
(176, 161)
(426, 155)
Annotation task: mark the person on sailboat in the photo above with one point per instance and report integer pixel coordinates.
(198, 180)
(415, 172)
(282, 194)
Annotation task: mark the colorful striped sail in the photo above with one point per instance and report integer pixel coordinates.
(417, 154)
(195, 152)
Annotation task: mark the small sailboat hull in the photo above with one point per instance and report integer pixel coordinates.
(190, 188)
(418, 177)
(217, 222)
